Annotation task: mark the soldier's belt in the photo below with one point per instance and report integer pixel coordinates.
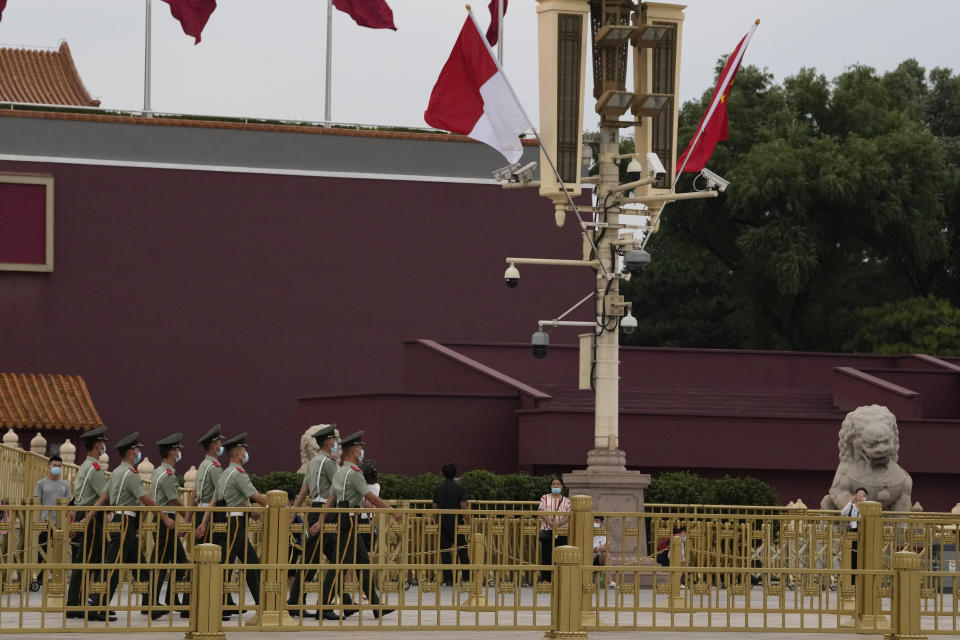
(130, 514)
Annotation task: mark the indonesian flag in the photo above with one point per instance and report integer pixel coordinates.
(192, 14)
(375, 14)
(713, 125)
(3, 5)
(493, 31)
(473, 97)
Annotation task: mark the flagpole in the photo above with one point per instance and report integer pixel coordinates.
(573, 205)
(731, 69)
(500, 31)
(326, 89)
(146, 64)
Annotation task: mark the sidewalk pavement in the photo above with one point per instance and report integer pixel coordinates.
(393, 632)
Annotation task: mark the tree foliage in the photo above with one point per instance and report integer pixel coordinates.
(845, 198)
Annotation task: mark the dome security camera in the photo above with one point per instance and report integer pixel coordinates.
(628, 323)
(540, 341)
(512, 276)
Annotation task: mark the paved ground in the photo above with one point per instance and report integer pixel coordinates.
(482, 635)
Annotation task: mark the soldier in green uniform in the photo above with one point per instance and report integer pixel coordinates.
(316, 483)
(350, 490)
(208, 476)
(236, 490)
(126, 490)
(168, 549)
(89, 490)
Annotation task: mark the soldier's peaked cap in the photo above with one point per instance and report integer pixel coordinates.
(352, 439)
(236, 441)
(210, 435)
(126, 442)
(325, 432)
(171, 441)
(89, 437)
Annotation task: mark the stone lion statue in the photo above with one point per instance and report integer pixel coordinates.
(309, 446)
(869, 450)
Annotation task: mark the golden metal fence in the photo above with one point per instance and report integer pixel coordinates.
(774, 571)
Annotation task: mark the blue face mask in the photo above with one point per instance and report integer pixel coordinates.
(556, 489)
(335, 449)
(55, 471)
(360, 459)
(246, 457)
(138, 458)
(179, 455)
(220, 451)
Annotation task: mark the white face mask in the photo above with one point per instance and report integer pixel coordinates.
(179, 456)
(246, 457)
(220, 451)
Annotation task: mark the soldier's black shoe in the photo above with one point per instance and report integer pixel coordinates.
(226, 614)
(349, 612)
(379, 613)
(102, 617)
(306, 614)
(75, 614)
(158, 613)
(331, 615)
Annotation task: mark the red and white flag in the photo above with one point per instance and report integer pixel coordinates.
(192, 14)
(473, 97)
(374, 14)
(3, 5)
(713, 124)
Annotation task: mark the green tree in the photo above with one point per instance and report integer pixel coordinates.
(844, 195)
(915, 325)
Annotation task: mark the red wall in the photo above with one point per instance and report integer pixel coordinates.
(187, 298)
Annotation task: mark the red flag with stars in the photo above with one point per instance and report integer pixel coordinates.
(713, 124)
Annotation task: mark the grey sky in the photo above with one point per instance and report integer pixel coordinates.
(266, 58)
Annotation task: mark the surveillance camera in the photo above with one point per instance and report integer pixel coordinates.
(636, 260)
(654, 166)
(505, 174)
(628, 323)
(512, 276)
(634, 169)
(525, 173)
(540, 342)
(713, 180)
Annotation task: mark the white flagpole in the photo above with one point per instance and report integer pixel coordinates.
(146, 64)
(500, 31)
(326, 88)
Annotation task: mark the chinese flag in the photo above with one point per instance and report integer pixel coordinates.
(192, 14)
(375, 14)
(713, 124)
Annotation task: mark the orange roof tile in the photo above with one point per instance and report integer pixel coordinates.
(42, 77)
(29, 400)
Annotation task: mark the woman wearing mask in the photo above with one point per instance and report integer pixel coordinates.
(549, 524)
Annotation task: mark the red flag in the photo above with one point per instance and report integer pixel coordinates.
(472, 96)
(493, 31)
(192, 14)
(713, 124)
(3, 5)
(375, 14)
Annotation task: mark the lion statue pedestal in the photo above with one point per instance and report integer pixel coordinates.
(869, 450)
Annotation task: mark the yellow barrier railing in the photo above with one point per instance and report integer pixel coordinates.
(480, 569)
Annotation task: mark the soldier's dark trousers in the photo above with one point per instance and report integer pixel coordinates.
(88, 551)
(123, 548)
(234, 545)
(325, 543)
(351, 549)
(168, 550)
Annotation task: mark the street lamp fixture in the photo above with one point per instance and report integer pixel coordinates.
(649, 35)
(615, 103)
(651, 104)
(613, 35)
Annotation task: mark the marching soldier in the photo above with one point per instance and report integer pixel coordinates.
(89, 490)
(168, 549)
(349, 490)
(316, 483)
(208, 476)
(236, 490)
(126, 490)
